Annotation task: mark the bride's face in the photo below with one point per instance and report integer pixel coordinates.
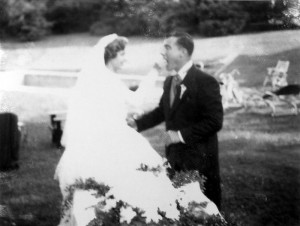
(118, 62)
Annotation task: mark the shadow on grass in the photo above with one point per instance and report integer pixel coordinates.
(260, 171)
(253, 69)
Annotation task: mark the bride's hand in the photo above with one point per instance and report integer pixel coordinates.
(130, 120)
(157, 66)
(160, 68)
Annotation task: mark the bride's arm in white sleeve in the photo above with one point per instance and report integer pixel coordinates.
(145, 96)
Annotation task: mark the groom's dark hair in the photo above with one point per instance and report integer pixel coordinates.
(184, 40)
(112, 49)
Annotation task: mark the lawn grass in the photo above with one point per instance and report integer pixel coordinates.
(68, 51)
(259, 155)
(31, 192)
(259, 158)
(253, 68)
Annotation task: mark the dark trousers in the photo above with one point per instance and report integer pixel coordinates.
(9, 141)
(187, 160)
(212, 188)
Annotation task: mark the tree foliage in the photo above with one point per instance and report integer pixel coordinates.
(25, 19)
(204, 17)
(31, 19)
(72, 16)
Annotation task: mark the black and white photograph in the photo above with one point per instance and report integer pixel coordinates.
(149, 113)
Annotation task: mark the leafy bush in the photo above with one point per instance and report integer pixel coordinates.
(221, 27)
(3, 17)
(26, 19)
(125, 18)
(29, 19)
(214, 18)
(187, 216)
(258, 11)
(125, 26)
(154, 18)
(71, 16)
(102, 28)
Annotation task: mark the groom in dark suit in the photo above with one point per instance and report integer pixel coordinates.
(192, 110)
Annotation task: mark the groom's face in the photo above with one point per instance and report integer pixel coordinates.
(172, 53)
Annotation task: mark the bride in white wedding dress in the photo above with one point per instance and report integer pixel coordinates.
(100, 146)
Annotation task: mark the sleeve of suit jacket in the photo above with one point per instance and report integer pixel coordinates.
(211, 116)
(153, 117)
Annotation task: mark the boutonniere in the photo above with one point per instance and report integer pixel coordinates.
(182, 90)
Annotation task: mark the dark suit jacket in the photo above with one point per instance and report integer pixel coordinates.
(198, 115)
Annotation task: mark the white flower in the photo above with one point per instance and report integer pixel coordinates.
(83, 206)
(126, 214)
(212, 209)
(182, 90)
(110, 203)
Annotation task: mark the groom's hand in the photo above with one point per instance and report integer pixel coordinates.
(171, 137)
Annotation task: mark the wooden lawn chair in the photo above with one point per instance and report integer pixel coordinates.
(232, 96)
(277, 75)
(283, 97)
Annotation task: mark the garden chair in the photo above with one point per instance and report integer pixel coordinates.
(277, 75)
(282, 98)
(283, 101)
(232, 96)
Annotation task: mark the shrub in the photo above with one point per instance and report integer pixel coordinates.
(137, 17)
(207, 17)
(117, 16)
(26, 19)
(220, 27)
(259, 12)
(125, 26)
(191, 216)
(31, 19)
(220, 18)
(3, 17)
(178, 16)
(71, 16)
(101, 28)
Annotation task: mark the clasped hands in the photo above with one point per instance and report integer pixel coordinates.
(169, 137)
(130, 119)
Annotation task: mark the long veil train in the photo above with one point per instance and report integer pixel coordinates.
(100, 145)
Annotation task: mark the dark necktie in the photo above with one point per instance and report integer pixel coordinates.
(175, 89)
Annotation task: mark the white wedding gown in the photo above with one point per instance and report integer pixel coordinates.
(100, 145)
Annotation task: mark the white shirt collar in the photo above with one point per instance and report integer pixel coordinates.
(183, 71)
